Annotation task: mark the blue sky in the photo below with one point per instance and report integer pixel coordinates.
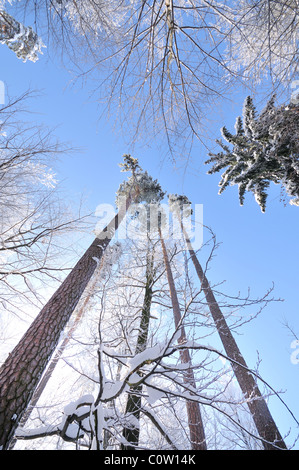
(256, 249)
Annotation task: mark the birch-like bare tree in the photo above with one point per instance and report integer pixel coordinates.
(33, 217)
(159, 66)
(262, 40)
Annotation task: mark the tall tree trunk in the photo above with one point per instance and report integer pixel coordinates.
(130, 432)
(54, 361)
(265, 424)
(196, 429)
(21, 372)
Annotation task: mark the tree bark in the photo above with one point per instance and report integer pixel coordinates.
(54, 361)
(133, 407)
(265, 424)
(22, 370)
(196, 428)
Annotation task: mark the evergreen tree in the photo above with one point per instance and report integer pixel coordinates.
(265, 149)
(261, 415)
(20, 373)
(19, 38)
(195, 422)
(151, 192)
(153, 195)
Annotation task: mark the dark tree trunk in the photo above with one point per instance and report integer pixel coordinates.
(131, 433)
(265, 425)
(52, 365)
(22, 370)
(196, 428)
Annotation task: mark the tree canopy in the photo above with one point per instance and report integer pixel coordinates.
(264, 149)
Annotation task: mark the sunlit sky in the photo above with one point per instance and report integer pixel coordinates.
(255, 249)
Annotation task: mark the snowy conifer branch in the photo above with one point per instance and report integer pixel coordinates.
(20, 39)
(265, 149)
